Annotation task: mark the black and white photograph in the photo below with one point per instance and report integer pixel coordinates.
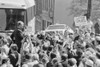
(49, 33)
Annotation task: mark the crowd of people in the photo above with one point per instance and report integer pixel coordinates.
(78, 49)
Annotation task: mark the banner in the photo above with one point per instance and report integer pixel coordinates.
(80, 21)
(31, 25)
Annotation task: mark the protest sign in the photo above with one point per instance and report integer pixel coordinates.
(80, 21)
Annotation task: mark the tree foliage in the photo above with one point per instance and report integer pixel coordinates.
(79, 7)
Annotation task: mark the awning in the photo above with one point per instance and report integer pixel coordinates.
(17, 4)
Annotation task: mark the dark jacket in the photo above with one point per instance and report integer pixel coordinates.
(17, 38)
(14, 59)
(97, 28)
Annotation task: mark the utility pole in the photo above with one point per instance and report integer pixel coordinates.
(89, 9)
(53, 11)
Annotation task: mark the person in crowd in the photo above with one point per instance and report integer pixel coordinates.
(79, 49)
(6, 63)
(14, 56)
(96, 27)
(29, 62)
(6, 46)
(17, 35)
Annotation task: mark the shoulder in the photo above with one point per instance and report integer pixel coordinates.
(17, 30)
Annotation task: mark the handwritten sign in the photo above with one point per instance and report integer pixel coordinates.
(80, 21)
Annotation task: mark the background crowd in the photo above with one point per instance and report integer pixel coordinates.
(78, 49)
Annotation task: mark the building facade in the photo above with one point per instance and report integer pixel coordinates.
(44, 14)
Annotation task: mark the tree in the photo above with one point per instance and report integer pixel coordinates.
(79, 7)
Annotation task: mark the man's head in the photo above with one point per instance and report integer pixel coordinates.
(20, 24)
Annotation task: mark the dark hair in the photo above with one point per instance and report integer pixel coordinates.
(1, 37)
(40, 36)
(36, 65)
(76, 38)
(63, 57)
(79, 52)
(52, 55)
(98, 55)
(60, 42)
(27, 56)
(50, 48)
(44, 48)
